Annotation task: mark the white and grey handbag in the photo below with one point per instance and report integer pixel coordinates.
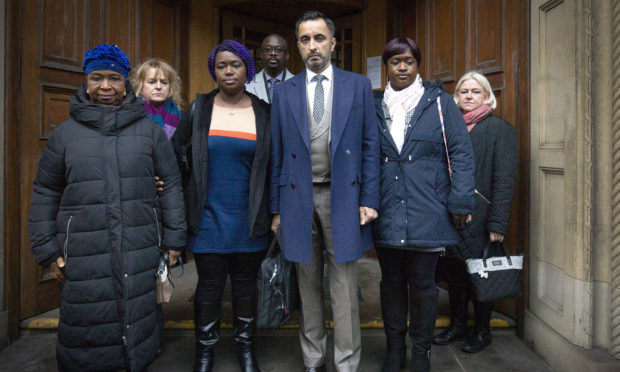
(495, 278)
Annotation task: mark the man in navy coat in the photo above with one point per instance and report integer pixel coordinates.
(325, 187)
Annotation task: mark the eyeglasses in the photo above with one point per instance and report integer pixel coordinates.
(276, 50)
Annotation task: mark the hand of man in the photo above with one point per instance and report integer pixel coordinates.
(367, 215)
(57, 269)
(496, 237)
(461, 219)
(173, 256)
(159, 184)
(275, 223)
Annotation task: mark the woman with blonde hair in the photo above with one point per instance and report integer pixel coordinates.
(160, 87)
(494, 142)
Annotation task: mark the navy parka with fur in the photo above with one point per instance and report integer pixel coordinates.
(95, 203)
(417, 197)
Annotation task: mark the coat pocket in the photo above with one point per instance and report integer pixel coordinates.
(66, 245)
(157, 228)
(283, 180)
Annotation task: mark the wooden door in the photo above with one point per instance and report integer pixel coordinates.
(348, 52)
(489, 36)
(561, 261)
(54, 36)
(250, 31)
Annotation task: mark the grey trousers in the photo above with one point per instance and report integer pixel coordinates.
(343, 290)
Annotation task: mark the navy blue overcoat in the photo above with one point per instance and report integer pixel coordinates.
(354, 155)
(417, 196)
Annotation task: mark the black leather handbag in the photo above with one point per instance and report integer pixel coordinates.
(278, 295)
(495, 278)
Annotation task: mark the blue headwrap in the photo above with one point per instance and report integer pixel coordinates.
(237, 49)
(106, 57)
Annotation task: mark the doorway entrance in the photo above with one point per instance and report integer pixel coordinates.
(251, 30)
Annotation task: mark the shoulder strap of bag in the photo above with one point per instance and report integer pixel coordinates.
(443, 133)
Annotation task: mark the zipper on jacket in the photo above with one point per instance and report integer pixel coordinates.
(66, 246)
(107, 214)
(157, 227)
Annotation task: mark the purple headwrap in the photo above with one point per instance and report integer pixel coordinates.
(237, 49)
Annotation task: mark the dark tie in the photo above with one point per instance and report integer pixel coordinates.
(271, 83)
(319, 104)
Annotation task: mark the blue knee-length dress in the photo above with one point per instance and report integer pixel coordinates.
(224, 225)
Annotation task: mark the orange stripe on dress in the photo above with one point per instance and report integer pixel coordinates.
(232, 133)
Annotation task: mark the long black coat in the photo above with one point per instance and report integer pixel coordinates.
(95, 203)
(495, 150)
(190, 142)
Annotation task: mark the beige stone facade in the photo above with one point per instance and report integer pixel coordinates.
(573, 314)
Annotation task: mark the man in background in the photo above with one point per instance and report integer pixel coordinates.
(274, 53)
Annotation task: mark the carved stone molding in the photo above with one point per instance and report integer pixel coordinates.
(615, 242)
(585, 173)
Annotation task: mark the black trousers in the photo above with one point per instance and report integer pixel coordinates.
(408, 283)
(402, 268)
(454, 272)
(214, 268)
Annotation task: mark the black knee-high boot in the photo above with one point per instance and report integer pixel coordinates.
(244, 333)
(207, 331)
(481, 337)
(459, 297)
(394, 306)
(421, 328)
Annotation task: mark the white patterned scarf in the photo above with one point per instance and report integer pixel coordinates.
(399, 103)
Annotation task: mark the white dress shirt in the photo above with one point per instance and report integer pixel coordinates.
(311, 85)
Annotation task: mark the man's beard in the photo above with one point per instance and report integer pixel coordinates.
(322, 62)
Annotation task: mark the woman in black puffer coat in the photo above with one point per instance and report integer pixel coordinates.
(495, 148)
(97, 221)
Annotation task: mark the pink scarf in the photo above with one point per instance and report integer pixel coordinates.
(399, 103)
(475, 116)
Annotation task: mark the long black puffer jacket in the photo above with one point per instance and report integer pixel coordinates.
(95, 203)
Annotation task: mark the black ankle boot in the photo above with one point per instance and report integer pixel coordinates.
(395, 357)
(421, 328)
(481, 338)
(207, 331)
(394, 306)
(421, 361)
(457, 331)
(244, 333)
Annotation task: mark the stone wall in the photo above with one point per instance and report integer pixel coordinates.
(573, 317)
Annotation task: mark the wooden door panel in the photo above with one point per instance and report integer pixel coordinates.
(442, 40)
(63, 43)
(55, 35)
(120, 25)
(487, 36)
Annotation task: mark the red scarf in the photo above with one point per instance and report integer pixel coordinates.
(475, 116)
